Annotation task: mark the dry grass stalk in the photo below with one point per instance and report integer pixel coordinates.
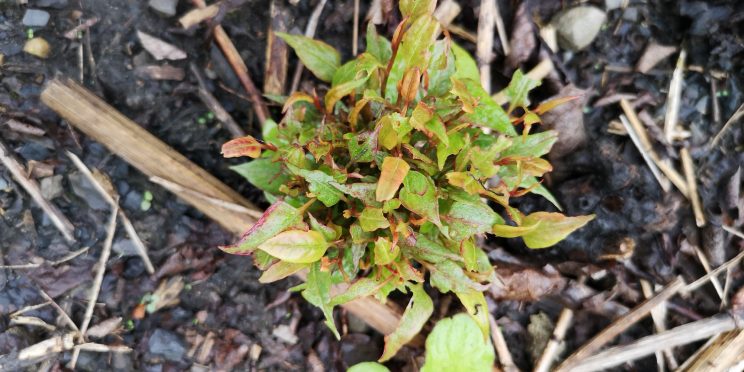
(32, 187)
(657, 315)
(199, 15)
(636, 139)
(694, 197)
(667, 169)
(463, 33)
(131, 232)
(539, 72)
(214, 105)
(181, 190)
(733, 119)
(355, 30)
(725, 266)
(277, 51)
(447, 11)
(312, 25)
(551, 349)
(719, 355)
(233, 57)
(620, 325)
(484, 46)
(503, 37)
(37, 352)
(706, 266)
(682, 335)
(502, 349)
(673, 98)
(61, 311)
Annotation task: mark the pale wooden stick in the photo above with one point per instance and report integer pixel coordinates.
(179, 190)
(131, 232)
(689, 169)
(503, 37)
(733, 119)
(32, 188)
(719, 355)
(447, 11)
(551, 349)
(635, 138)
(502, 349)
(678, 336)
(29, 308)
(668, 171)
(484, 47)
(61, 312)
(312, 25)
(657, 315)
(95, 290)
(704, 279)
(277, 51)
(233, 57)
(539, 72)
(673, 98)
(706, 266)
(355, 30)
(199, 15)
(37, 352)
(621, 324)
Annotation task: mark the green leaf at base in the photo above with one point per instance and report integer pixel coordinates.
(417, 312)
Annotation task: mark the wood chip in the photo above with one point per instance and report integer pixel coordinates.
(156, 72)
(160, 49)
(652, 55)
(198, 15)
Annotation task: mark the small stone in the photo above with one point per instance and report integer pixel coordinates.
(284, 333)
(613, 4)
(35, 18)
(631, 14)
(166, 344)
(51, 187)
(86, 191)
(124, 248)
(37, 47)
(578, 27)
(57, 4)
(165, 7)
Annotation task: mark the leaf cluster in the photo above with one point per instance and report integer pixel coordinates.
(386, 179)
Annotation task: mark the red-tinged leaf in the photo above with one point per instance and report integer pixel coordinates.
(553, 103)
(553, 228)
(419, 195)
(394, 170)
(281, 270)
(279, 217)
(417, 313)
(243, 146)
(297, 97)
(296, 246)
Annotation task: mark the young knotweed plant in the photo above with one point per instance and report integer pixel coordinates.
(385, 180)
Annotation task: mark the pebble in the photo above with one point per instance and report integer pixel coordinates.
(579, 26)
(124, 248)
(631, 14)
(166, 344)
(57, 4)
(35, 18)
(51, 187)
(613, 4)
(165, 7)
(86, 191)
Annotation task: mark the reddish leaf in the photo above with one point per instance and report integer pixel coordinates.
(394, 170)
(243, 146)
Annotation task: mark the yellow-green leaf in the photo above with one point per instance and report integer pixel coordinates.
(416, 8)
(372, 219)
(457, 345)
(279, 217)
(553, 227)
(475, 304)
(318, 292)
(507, 231)
(281, 270)
(393, 171)
(419, 195)
(385, 252)
(412, 52)
(417, 312)
(296, 246)
(320, 58)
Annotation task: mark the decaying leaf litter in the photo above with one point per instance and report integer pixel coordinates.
(641, 231)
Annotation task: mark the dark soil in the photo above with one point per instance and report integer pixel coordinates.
(641, 232)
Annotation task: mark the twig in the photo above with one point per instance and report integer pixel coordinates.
(32, 321)
(634, 137)
(97, 281)
(52, 263)
(355, 30)
(37, 352)
(677, 336)
(70, 256)
(484, 47)
(733, 119)
(551, 349)
(463, 33)
(714, 101)
(277, 51)
(233, 57)
(673, 98)
(312, 25)
(621, 324)
(101, 348)
(131, 232)
(178, 189)
(29, 308)
(725, 266)
(706, 266)
(718, 355)
(59, 309)
(503, 37)
(447, 11)
(689, 169)
(199, 15)
(502, 350)
(19, 173)
(657, 315)
(539, 72)
(214, 105)
(668, 171)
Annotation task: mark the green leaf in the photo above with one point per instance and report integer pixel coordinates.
(436, 127)
(448, 276)
(518, 89)
(457, 345)
(417, 312)
(279, 217)
(318, 292)
(296, 246)
(377, 45)
(541, 190)
(470, 254)
(368, 366)
(469, 216)
(263, 173)
(281, 270)
(428, 250)
(320, 185)
(488, 113)
(372, 219)
(536, 145)
(419, 195)
(363, 191)
(270, 132)
(393, 171)
(455, 143)
(361, 288)
(417, 8)
(475, 304)
(320, 58)
(441, 69)
(553, 228)
(507, 231)
(412, 52)
(344, 83)
(385, 252)
(465, 65)
(330, 234)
